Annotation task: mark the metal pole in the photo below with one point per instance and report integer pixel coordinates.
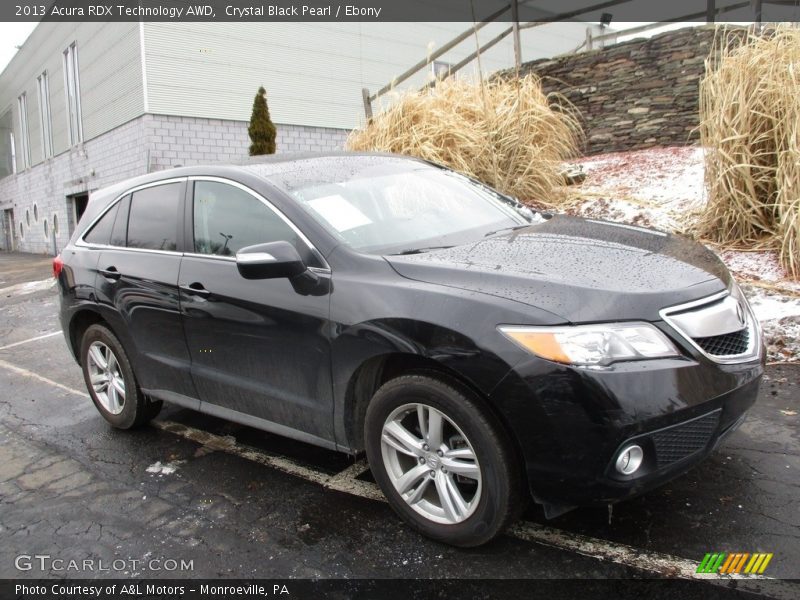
(711, 12)
(367, 103)
(448, 46)
(757, 12)
(574, 13)
(515, 28)
(691, 17)
(461, 64)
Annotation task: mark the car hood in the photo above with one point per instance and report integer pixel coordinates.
(579, 269)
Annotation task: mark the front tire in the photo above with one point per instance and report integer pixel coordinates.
(442, 460)
(111, 382)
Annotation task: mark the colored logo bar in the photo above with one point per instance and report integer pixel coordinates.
(734, 562)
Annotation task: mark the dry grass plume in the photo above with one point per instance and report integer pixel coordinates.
(750, 126)
(505, 132)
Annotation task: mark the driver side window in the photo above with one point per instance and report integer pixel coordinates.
(227, 219)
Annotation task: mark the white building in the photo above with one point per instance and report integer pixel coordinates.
(84, 105)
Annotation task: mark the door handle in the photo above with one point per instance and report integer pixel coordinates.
(111, 273)
(195, 289)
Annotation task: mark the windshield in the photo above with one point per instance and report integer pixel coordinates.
(408, 207)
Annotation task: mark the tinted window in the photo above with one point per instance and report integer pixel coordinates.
(120, 231)
(153, 220)
(101, 232)
(227, 219)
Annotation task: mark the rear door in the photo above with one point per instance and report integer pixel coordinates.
(258, 347)
(137, 285)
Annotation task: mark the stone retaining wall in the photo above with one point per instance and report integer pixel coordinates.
(635, 94)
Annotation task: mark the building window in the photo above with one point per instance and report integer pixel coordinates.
(28, 217)
(21, 231)
(44, 114)
(13, 152)
(35, 213)
(55, 223)
(73, 91)
(25, 142)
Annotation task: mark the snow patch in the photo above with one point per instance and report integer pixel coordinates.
(779, 317)
(157, 468)
(29, 287)
(769, 307)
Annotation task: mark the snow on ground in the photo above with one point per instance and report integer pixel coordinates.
(779, 315)
(662, 188)
(762, 266)
(159, 468)
(28, 287)
(655, 188)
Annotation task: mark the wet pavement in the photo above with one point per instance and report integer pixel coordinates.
(73, 488)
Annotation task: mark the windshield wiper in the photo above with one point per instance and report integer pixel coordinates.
(520, 208)
(514, 228)
(419, 250)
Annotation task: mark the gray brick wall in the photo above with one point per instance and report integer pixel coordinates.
(189, 140)
(109, 158)
(148, 143)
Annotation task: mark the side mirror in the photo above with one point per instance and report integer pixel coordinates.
(270, 261)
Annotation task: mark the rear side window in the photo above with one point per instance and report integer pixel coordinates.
(227, 218)
(100, 233)
(153, 220)
(120, 232)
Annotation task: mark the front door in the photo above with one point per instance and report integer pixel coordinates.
(258, 347)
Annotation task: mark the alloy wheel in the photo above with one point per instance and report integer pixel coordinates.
(106, 377)
(431, 463)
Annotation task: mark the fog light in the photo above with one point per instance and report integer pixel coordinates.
(630, 459)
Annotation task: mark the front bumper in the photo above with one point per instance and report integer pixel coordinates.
(570, 423)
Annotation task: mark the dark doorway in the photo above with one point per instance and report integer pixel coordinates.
(76, 206)
(8, 230)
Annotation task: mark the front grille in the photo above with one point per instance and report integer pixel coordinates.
(721, 327)
(728, 344)
(680, 441)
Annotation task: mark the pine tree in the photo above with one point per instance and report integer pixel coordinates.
(261, 129)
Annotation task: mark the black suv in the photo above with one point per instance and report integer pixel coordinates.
(476, 350)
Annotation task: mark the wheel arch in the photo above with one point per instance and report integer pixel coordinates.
(78, 324)
(377, 370)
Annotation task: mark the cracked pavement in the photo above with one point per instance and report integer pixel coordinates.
(73, 488)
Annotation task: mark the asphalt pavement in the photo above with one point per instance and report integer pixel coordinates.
(194, 496)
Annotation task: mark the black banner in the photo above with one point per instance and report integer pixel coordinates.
(399, 10)
(386, 589)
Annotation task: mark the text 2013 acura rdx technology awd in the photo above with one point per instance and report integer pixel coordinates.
(477, 351)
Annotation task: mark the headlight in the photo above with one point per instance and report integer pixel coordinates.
(592, 344)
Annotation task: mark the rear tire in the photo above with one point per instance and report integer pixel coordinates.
(442, 460)
(111, 382)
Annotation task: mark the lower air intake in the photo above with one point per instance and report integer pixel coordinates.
(675, 443)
